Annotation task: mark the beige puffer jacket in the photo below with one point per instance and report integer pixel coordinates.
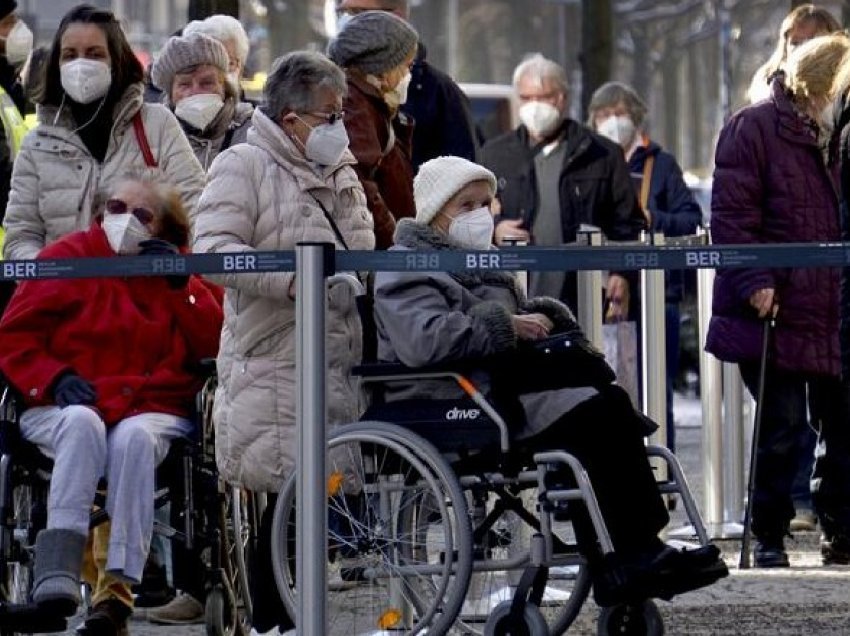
(55, 177)
(263, 195)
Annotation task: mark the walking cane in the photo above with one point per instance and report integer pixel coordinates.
(744, 562)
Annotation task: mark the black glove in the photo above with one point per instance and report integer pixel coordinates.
(72, 389)
(159, 247)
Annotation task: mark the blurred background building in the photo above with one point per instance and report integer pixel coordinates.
(691, 59)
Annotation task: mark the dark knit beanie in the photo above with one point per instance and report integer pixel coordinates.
(374, 42)
(6, 7)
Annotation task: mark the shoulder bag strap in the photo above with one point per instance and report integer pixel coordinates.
(645, 183)
(142, 138)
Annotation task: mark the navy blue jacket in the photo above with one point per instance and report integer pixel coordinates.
(440, 112)
(672, 205)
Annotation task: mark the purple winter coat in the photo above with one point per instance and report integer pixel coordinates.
(771, 186)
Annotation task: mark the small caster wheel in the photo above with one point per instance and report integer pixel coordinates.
(635, 619)
(502, 623)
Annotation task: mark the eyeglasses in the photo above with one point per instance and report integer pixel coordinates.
(117, 206)
(331, 118)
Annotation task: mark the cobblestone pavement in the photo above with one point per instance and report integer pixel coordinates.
(806, 598)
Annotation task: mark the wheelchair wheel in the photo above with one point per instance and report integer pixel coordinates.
(500, 556)
(378, 577)
(501, 623)
(239, 545)
(220, 615)
(632, 620)
(18, 541)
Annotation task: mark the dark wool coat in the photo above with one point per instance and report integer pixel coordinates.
(386, 175)
(441, 113)
(771, 185)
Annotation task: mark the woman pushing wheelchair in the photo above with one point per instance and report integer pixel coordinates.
(428, 318)
(106, 370)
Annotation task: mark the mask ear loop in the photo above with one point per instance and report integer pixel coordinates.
(61, 106)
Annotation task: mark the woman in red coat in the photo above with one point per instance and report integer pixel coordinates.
(105, 368)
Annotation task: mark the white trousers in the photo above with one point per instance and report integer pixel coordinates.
(127, 454)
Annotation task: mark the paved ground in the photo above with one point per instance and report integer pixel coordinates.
(803, 599)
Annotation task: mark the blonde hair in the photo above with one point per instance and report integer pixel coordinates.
(824, 23)
(812, 68)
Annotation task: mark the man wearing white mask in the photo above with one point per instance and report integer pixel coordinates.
(376, 50)
(555, 175)
(192, 71)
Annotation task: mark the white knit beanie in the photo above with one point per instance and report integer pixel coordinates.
(440, 179)
(182, 52)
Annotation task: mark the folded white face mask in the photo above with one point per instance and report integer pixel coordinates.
(18, 43)
(618, 128)
(326, 143)
(85, 80)
(403, 87)
(124, 232)
(473, 230)
(541, 118)
(199, 110)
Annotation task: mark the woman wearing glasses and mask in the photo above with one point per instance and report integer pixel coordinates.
(93, 128)
(103, 366)
(292, 181)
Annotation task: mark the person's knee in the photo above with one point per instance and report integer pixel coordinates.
(132, 437)
(83, 425)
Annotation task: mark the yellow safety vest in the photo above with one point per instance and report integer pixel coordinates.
(16, 129)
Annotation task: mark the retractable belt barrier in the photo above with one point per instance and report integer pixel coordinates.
(567, 258)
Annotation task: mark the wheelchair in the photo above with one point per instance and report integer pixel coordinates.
(427, 534)
(207, 517)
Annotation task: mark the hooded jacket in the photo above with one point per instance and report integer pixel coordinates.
(56, 178)
(135, 339)
(771, 185)
(264, 195)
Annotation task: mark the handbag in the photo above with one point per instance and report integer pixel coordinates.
(560, 361)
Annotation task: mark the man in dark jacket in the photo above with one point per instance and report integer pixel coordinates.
(555, 175)
(436, 104)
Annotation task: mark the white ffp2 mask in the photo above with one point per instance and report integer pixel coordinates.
(618, 128)
(85, 80)
(541, 118)
(199, 110)
(473, 230)
(326, 143)
(18, 43)
(124, 232)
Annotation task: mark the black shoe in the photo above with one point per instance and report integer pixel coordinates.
(770, 553)
(663, 572)
(107, 618)
(835, 550)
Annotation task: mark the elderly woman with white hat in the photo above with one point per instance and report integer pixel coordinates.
(192, 70)
(427, 318)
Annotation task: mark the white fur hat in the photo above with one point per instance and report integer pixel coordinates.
(440, 179)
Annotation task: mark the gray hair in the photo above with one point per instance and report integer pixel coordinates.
(224, 28)
(295, 79)
(540, 69)
(612, 93)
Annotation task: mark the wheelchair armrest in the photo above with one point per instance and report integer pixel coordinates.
(206, 367)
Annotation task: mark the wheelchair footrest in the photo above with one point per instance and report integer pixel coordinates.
(28, 618)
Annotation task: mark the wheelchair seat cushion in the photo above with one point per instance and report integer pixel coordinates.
(451, 425)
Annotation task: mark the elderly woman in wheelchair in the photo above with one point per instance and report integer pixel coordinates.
(106, 370)
(433, 318)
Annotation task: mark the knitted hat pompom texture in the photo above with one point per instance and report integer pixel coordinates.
(438, 180)
(374, 42)
(182, 52)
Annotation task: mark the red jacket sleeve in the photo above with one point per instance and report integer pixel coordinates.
(36, 308)
(199, 318)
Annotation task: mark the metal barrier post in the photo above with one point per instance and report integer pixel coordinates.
(521, 275)
(654, 354)
(589, 301)
(314, 262)
(733, 450)
(712, 404)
